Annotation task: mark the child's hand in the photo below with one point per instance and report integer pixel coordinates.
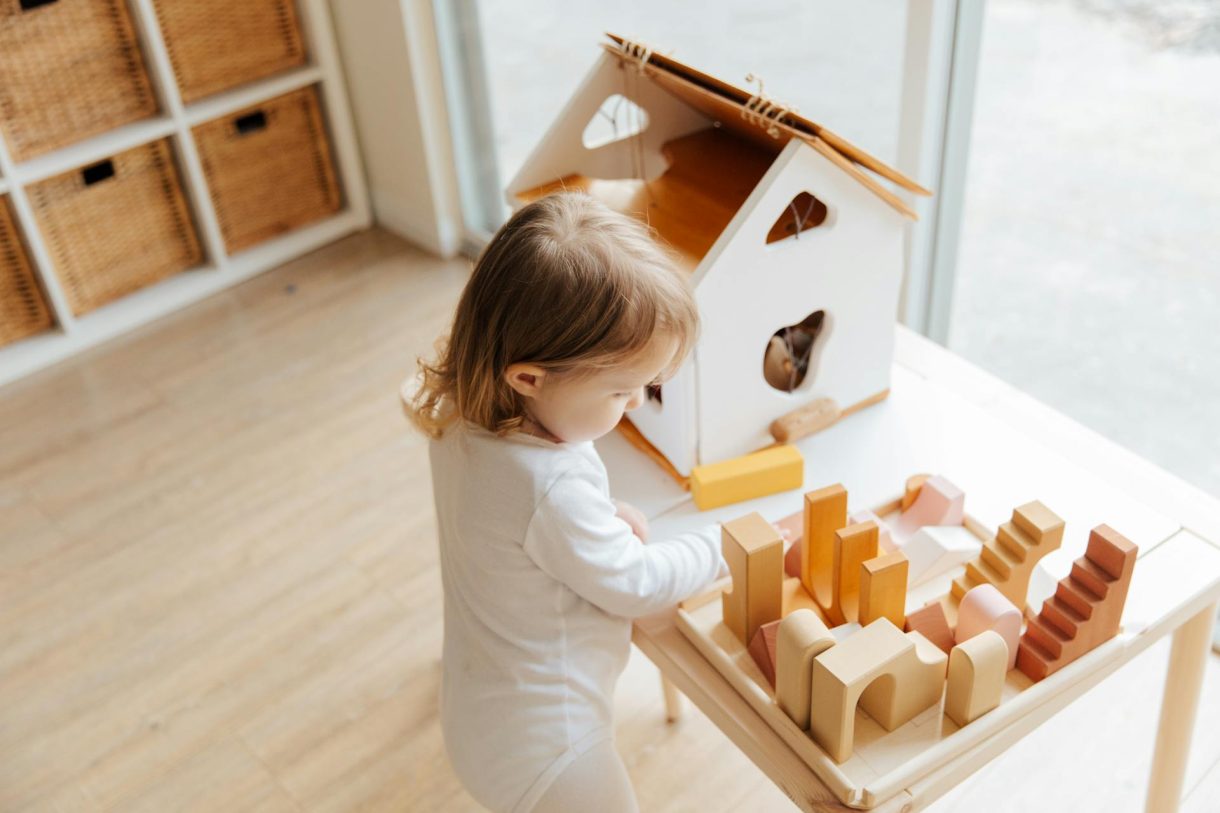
(633, 517)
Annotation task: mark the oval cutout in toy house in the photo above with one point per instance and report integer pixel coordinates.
(792, 353)
(618, 118)
(803, 213)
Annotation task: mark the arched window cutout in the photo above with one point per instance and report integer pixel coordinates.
(803, 213)
(616, 119)
(793, 352)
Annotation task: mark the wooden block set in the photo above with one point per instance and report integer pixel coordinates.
(827, 622)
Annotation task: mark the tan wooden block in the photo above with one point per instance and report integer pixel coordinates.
(802, 636)
(911, 492)
(883, 589)
(825, 513)
(977, 668)
(1040, 522)
(853, 546)
(930, 621)
(848, 672)
(1007, 560)
(754, 553)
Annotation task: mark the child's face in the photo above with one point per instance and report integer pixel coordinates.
(585, 407)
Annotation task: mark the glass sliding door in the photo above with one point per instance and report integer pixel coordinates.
(1089, 265)
(840, 64)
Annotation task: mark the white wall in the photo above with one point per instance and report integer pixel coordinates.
(393, 73)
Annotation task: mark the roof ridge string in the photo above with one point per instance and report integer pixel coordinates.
(763, 111)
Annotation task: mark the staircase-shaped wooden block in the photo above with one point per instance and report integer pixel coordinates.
(1086, 608)
(1008, 559)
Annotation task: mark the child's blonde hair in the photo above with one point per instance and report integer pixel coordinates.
(567, 284)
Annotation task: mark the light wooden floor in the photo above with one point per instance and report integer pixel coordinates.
(219, 586)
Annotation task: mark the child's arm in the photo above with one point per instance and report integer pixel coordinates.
(576, 538)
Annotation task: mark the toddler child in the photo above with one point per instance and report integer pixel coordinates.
(571, 313)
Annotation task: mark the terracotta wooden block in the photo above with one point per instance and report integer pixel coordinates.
(796, 597)
(802, 637)
(774, 469)
(1086, 609)
(792, 561)
(762, 649)
(825, 512)
(976, 677)
(938, 549)
(885, 540)
(911, 492)
(930, 622)
(939, 503)
(844, 675)
(853, 546)
(754, 553)
(986, 609)
(883, 589)
(1007, 561)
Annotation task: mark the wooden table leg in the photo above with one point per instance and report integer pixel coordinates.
(673, 700)
(1187, 661)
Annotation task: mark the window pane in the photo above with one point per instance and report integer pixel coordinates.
(1088, 272)
(839, 65)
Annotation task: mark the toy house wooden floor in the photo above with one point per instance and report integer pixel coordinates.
(220, 583)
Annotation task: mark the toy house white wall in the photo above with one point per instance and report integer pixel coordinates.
(719, 405)
(849, 266)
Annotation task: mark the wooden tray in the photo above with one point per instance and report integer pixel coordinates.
(883, 762)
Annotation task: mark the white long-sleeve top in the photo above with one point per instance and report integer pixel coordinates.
(541, 579)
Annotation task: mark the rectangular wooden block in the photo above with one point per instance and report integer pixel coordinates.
(825, 513)
(883, 589)
(754, 553)
(771, 470)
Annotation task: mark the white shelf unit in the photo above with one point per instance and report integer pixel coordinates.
(221, 269)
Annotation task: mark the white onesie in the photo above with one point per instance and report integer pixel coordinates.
(541, 579)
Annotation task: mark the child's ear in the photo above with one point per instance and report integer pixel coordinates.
(526, 379)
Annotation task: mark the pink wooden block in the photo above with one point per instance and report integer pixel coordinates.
(884, 540)
(985, 608)
(939, 503)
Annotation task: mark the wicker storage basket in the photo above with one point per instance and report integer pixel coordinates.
(23, 310)
(68, 70)
(116, 225)
(219, 44)
(269, 168)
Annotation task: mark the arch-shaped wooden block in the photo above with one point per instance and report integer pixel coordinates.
(985, 608)
(802, 637)
(893, 675)
(976, 677)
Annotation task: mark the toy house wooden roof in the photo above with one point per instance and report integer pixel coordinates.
(712, 169)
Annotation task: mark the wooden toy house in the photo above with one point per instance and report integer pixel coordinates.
(794, 246)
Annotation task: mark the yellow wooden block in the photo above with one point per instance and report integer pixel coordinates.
(774, 469)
